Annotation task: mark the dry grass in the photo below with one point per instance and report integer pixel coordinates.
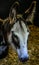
(33, 47)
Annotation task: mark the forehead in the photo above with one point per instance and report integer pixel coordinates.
(19, 27)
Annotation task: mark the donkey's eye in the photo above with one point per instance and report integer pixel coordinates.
(15, 40)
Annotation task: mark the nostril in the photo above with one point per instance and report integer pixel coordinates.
(27, 58)
(24, 59)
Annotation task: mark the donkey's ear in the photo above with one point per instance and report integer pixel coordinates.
(13, 12)
(12, 15)
(30, 13)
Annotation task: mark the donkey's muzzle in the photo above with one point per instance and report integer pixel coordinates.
(24, 59)
(3, 51)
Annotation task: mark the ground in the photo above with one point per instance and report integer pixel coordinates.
(33, 47)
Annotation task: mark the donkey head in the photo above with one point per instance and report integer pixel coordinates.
(17, 34)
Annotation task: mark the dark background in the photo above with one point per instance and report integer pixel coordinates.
(24, 4)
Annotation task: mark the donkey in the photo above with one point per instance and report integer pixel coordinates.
(17, 33)
(3, 44)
